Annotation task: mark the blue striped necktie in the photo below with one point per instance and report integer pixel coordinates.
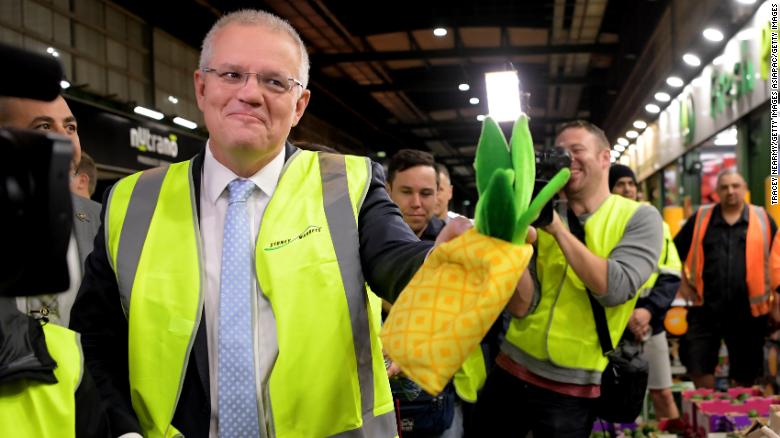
(238, 410)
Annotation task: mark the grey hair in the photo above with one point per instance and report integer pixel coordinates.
(255, 17)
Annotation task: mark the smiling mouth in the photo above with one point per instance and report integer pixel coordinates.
(247, 116)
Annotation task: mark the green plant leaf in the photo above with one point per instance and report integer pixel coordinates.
(545, 195)
(523, 162)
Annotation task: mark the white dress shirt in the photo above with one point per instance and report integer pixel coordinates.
(213, 208)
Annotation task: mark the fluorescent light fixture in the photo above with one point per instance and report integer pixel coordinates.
(632, 134)
(50, 50)
(173, 99)
(718, 60)
(464, 87)
(745, 34)
(691, 59)
(674, 81)
(640, 124)
(615, 153)
(713, 34)
(189, 124)
(622, 141)
(64, 84)
(612, 159)
(652, 108)
(662, 97)
(440, 32)
(631, 147)
(152, 114)
(503, 95)
(481, 117)
(746, 2)
(620, 147)
(726, 138)
(474, 100)
(55, 54)
(381, 154)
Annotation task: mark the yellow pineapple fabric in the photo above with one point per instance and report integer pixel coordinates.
(450, 304)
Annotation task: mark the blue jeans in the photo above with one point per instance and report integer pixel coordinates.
(510, 407)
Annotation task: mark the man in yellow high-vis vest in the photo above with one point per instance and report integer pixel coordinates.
(548, 373)
(291, 236)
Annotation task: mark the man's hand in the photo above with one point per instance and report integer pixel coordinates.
(686, 292)
(555, 226)
(639, 324)
(454, 228)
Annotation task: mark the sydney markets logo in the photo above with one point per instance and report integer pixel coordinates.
(279, 244)
(143, 140)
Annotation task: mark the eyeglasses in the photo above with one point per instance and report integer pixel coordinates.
(272, 83)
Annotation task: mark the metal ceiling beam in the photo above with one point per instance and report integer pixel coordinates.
(439, 86)
(466, 52)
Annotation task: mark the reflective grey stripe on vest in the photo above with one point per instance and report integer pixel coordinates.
(766, 237)
(344, 235)
(381, 426)
(703, 211)
(139, 214)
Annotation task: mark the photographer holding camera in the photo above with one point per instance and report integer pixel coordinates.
(56, 117)
(44, 389)
(593, 259)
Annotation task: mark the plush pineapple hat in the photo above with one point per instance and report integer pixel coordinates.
(452, 301)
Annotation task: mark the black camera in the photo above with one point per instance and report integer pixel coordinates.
(549, 161)
(35, 200)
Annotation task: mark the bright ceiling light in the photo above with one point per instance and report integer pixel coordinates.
(152, 114)
(620, 147)
(674, 81)
(481, 117)
(440, 32)
(746, 2)
(713, 34)
(718, 60)
(189, 124)
(632, 134)
(652, 108)
(173, 99)
(691, 59)
(622, 141)
(612, 159)
(640, 124)
(64, 84)
(615, 154)
(474, 100)
(503, 95)
(464, 87)
(662, 97)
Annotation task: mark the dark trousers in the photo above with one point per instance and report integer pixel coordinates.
(510, 407)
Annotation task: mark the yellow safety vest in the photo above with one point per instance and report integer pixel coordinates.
(561, 330)
(329, 377)
(30, 408)
(669, 262)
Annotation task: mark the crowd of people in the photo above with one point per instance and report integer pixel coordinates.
(230, 294)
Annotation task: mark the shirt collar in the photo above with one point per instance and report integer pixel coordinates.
(216, 176)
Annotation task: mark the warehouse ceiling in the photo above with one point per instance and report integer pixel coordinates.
(380, 74)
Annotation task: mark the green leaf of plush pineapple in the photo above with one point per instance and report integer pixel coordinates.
(505, 181)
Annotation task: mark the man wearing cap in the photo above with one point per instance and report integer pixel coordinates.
(646, 323)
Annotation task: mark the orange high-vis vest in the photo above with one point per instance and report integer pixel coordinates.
(774, 263)
(758, 240)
